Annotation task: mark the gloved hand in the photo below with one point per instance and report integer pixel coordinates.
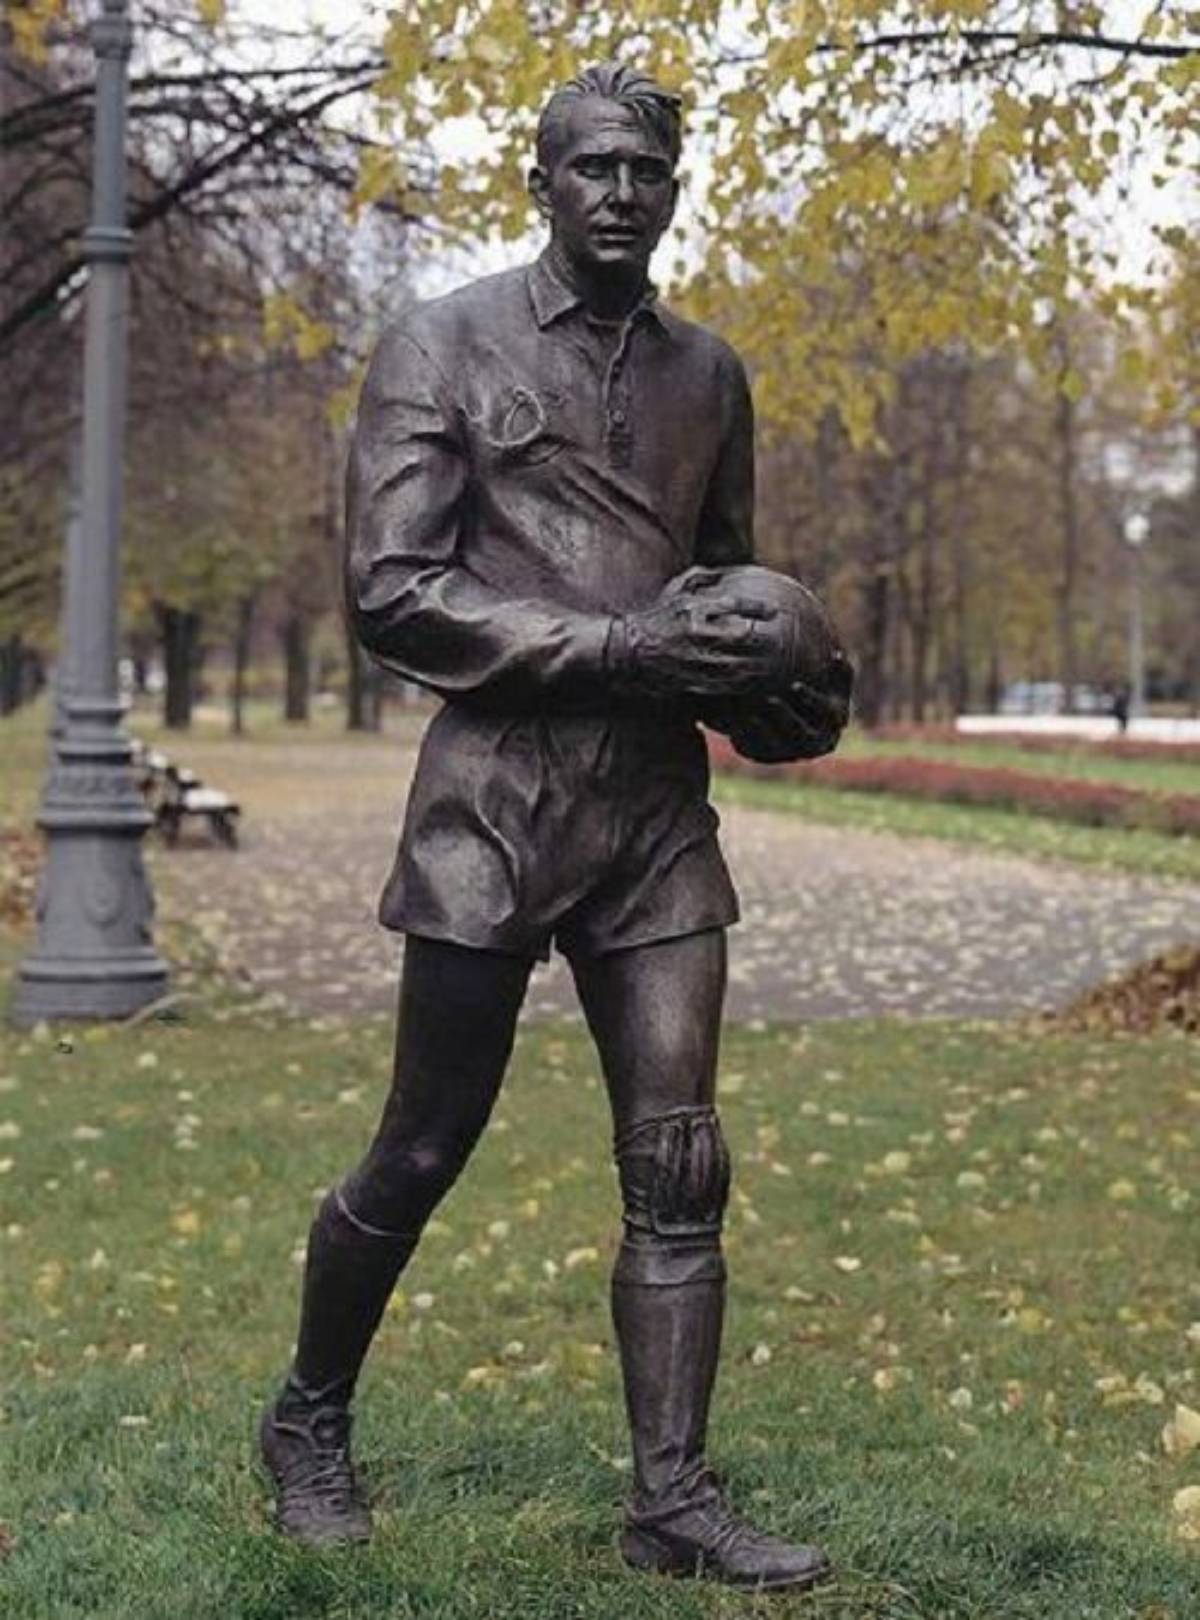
(801, 723)
(715, 644)
(800, 714)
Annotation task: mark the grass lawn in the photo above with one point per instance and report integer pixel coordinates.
(1129, 849)
(965, 1300)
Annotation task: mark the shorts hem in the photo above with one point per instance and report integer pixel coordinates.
(540, 950)
(652, 936)
(537, 951)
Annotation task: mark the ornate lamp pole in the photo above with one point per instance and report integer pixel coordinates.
(94, 956)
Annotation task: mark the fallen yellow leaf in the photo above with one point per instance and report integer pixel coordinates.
(581, 1257)
(1187, 1511)
(1181, 1433)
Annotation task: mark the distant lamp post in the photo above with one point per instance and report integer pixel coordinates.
(1137, 531)
(94, 956)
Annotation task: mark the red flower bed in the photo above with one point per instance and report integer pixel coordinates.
(1040, 743)
(1095, 804)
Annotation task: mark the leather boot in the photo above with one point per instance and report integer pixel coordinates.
(678, 1520)
(304, 1435)
(668, 1303)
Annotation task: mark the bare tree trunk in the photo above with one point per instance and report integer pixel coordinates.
(180, 628)
(1064, 422)
(900, 648)
(10, 675)
(241, 659)
(356, 693)
(871, 693)
(921, 617)
(1193, 658)
(995, 680)
(356, 686)
(885, 495)
(959, 659)
(297, 669)
(141, 647)
(363, 687)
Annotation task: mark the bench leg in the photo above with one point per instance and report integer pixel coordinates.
(224, 827)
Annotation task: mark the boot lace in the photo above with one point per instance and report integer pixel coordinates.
(323, 1469)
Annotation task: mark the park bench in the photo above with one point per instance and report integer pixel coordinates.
(176, 794)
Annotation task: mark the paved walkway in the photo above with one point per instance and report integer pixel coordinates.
(836, 922)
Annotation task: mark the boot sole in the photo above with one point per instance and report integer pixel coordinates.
(308, 1538)
(646, 1553)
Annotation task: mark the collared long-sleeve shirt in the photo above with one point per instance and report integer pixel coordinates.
(521, 472)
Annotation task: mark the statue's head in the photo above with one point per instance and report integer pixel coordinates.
(607, 146)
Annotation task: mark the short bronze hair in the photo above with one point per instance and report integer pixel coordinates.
(658, 110)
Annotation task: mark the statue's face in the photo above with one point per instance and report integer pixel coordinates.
(611, 192)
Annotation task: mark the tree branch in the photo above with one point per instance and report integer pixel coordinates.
(1039, 39)
(43, 297)
(36, 113)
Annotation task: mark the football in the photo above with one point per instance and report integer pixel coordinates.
(804, 712)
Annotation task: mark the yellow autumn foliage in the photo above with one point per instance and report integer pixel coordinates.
(873, 182)
(287, 324)
(29, 23)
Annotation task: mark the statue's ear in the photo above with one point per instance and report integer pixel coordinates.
(538, 182)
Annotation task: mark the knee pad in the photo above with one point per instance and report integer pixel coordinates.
(674, 1172)
(335, 1206)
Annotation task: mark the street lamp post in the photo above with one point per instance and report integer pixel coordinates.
(1137, 529)
(94, 956)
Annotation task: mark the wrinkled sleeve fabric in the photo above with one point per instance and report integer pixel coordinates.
(413, 600)
(725, 533)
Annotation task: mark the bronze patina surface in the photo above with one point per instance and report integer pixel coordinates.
(550, 518)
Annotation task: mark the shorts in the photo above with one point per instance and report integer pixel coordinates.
(594, 833)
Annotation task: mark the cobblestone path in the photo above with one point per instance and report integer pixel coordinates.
(836, 922)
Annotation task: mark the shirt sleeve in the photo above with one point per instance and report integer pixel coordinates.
(415, 606)
(725, 532)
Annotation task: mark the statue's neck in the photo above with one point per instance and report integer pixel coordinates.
(610, 296)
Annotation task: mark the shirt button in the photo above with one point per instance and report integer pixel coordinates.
(618, 415)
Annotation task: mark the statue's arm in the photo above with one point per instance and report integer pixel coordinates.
(414, 604)
(725, 532)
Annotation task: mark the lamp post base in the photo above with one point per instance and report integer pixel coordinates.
(94, 957)
(53, 990)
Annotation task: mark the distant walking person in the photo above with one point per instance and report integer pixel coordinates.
(1120, 710)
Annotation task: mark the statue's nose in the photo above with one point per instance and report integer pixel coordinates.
(623, 183)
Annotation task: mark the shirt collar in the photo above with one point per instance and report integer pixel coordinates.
(552, 298)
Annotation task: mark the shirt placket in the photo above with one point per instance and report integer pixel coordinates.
(618, 432)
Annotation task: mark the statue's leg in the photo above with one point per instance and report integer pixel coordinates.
(458, 1013)
(655, 1014)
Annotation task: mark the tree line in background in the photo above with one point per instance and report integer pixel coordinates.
(253, 299)
(901, 217)
(979, 540)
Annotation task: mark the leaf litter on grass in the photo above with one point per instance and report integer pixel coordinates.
(1163, 993)
(933, 1413)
